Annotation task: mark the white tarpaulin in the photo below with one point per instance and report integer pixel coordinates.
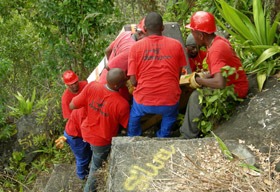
(97, 71)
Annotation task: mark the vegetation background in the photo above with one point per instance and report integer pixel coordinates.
(42, 38)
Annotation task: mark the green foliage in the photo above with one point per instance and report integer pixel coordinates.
(5, 65)
(16, 162)
(24, 105)
(180, 119)
(257, 36)
(41, 39)
(217, 104)
(54, 155)
(78, 31)
(19, 174)
(48, 111)
(7, 130)
(133, 12)
(251, 167)
(177, 11)
(18, 167)
(202, 5)
(180, 11)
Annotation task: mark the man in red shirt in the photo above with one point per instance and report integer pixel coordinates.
(195, 54)
(79, 147)
(117, 54)
(74, 87)
(154, 66)
(219, 54)
(106, 111)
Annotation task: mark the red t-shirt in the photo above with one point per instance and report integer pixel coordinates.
(73, 125)
(119, 56)
(221, 54)
(156, 62)
(196, 63)
(106, 111)
(67, 97)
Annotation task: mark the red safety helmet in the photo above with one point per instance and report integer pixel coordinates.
(69, 77)
(140, 26)
(202, 21)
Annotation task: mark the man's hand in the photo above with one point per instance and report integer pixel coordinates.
(59, 143)
(193, 83)
(204, 74)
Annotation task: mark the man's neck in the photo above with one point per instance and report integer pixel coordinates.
(154, 33)
(109, 88)
(210, 40)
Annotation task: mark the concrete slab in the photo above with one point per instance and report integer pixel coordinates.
(150, 164)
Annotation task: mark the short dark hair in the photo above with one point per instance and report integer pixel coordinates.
(153, 22)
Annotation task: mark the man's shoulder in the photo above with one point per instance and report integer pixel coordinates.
(93, 84)
(65, 93)
(142, 41)
(123, 35)
(220, 41)
(83, 83)
(119, 100)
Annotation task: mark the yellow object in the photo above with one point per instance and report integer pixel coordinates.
(185, 79)
(133, 28)
(193, 83)
(130, 87)
(59, 143)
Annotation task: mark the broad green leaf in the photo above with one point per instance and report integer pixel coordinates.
(240, 23)
(230, 31)
(231, 16)
(208, 127)
(209, 112)
(260, 21)
(267, 54)
(273, 29)
(213, 98)
(261, 79)
(33, 95)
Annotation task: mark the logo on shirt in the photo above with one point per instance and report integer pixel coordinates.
(153, 54)
(97, 106)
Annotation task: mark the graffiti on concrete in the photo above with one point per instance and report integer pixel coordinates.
(139, 177)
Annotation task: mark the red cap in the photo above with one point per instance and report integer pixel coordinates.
(69, 77)
(202, 21)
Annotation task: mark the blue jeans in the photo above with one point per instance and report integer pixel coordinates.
(99, 155)
(82, 153)
(169, 116)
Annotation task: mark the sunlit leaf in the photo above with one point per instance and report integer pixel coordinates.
(268, 53)
(261, 79)
(213, 98)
